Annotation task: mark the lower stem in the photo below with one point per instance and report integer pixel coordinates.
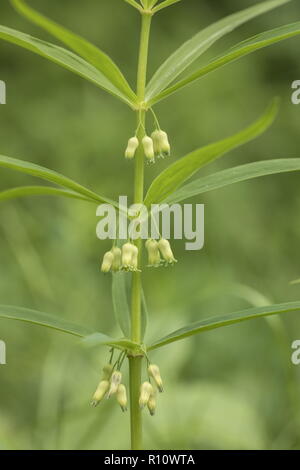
(135, 370)
(135, 363)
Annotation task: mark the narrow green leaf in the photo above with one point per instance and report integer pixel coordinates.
(175, 175)
(120, 302)
(43, 319)
(165, 4)
(192, 49)
(84, 48)
(53, 177)
(225, 320)
(10, 312)
(96, 339)
(41, 191)
(134, 4)
(240, 50)
(63, 57)
(234, 175)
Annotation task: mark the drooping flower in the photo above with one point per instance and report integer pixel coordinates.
(154, 372)
(107, 262)
(161, 143)
(151, 404)
(100, 392)
(117, 261)
(132, 146)
(154, 259)
(115, 381)
(145, 393)
(148, 148)
(166, 251)
(122, 397)
(130, 257)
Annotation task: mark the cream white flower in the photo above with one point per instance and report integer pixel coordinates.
(132, 146)
(122, 397)
(161, 143)
(151, 404)
(107, 262)
(148, 148)
(145, 393)
(117, 261)
(130, 257)
(154, 259)
(115, 381)
(154, 372)
(166, 251)
(100, 392)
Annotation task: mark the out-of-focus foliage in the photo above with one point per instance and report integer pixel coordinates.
(232, 388)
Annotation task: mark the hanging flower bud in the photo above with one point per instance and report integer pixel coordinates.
(154, 259)
(132, 146)
(166, 252)
(100, 392)
(115, 381)
(145, 393)
(135, 258)
(107, 262)
(153, 371)
(148, 148)
(152, 404)
(122, 397)
(117, 261)
(165, 145)
(107, 371)
(156, 143)
(161, 143)
(130, 257)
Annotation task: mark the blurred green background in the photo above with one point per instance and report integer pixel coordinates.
(233, 388)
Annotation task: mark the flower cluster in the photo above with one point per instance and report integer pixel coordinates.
(117, 259)
(109, 385)
(155, 146)
(148, 392)
(159, 253)
(127, 259)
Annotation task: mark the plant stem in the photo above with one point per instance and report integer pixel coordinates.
(135, 363)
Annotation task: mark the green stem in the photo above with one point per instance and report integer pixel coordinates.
(135, 363)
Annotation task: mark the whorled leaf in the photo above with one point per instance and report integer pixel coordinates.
(81, 46)
(240, 50)
(22, 191)
(10, 312)
(88, 336)
(177, 173)
(65, 58)
(233, 175)
(225, 320)
(192, 49)
(165, 4)
(53, 177)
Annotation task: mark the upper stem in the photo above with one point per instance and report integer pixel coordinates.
(139, 171)
(136, 295)
(143, 56)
